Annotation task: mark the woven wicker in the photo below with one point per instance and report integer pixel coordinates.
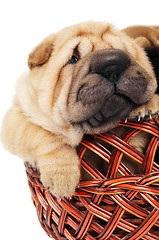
(121, 205)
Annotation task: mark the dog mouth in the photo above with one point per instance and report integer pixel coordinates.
(108, 86)
(114, 109)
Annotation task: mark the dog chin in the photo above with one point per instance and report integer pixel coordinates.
(115, 109)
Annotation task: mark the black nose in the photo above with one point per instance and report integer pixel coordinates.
(110, 63)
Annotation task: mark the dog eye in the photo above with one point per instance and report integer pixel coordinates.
(73, 60)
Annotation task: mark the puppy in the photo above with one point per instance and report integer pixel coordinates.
(82, 80)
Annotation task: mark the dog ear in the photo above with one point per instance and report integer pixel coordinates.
(148, 38)
(41, 53)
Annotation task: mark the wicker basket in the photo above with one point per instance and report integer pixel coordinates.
(121, 205)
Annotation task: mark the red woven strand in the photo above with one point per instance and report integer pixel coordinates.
(116, 205)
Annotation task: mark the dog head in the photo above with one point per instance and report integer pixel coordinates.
(90, 76)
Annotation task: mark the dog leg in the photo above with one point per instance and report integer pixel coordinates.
(60, 170)
(151, 108)
(57, 161)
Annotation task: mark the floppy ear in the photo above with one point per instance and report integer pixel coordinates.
(148, 38)
(41, 53)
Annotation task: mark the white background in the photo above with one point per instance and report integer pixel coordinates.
(23, 24)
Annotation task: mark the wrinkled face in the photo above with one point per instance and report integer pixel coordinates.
(107, 85)
(99, 75)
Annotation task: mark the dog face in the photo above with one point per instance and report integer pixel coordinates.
(88, 77)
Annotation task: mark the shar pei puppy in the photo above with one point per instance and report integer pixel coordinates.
(83, 79)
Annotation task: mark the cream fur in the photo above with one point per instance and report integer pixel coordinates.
(37, 126)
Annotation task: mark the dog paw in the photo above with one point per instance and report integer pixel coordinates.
(148, 110)
(61, 183)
